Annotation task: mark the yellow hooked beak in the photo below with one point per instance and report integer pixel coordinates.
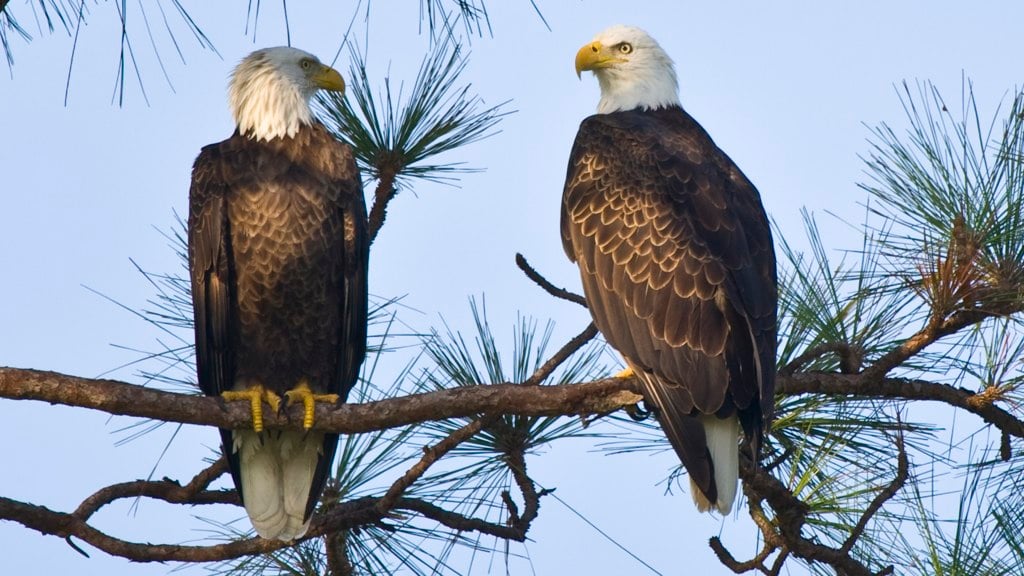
(328, 78)
(595, 56)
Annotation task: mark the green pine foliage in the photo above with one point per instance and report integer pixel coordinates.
(396, 137)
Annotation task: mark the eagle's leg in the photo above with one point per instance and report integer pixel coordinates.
(256, 395)
(309, 399)
(627, 373)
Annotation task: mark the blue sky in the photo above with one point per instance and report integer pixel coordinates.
(785, 88)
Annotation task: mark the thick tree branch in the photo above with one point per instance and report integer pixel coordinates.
(130, 400)
(121, 398)
(860, 385)
(580, 398)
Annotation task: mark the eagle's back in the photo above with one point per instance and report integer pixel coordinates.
(290, 214)
(676, 258)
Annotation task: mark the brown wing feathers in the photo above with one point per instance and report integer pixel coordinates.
(677, 265)
(287, 298)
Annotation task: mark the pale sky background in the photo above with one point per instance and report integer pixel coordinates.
(785, 88)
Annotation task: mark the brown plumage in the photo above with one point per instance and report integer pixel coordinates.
(278, 254)
(676, 258)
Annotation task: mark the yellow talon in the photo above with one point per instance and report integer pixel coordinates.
(627, 373)
(309, 398)
(256, 395)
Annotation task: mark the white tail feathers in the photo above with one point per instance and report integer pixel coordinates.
(277, 470)
(723, 443)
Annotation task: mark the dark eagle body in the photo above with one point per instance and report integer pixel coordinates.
(675, 254)
(278, 256)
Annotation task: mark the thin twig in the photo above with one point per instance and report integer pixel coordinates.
(902, 472)
(780, 561)
(790, 518)
(562, 355)
(778, 460)
(431, 454)
(461, 523)
(531, 498)
(546, 285)
(167, 490)
(340, 517)
(730, 562)
(932, 332)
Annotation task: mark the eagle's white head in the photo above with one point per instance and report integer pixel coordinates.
(632, 69)
(270, 90)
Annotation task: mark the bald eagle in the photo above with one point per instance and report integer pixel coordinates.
(278, 256)
(676, 257)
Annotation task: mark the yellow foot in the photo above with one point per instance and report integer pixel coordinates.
(627, 373)
(256, 395)
(309, 398)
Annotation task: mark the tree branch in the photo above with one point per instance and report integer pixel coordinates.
(547, 285)
(65, 525)
(382, 196)
(339, 517)
(932, 332)
(562, 355)
(861, 385)
(517, 464)
(850, 357)
(594, 397)
(902, 473)
(461, 523)
(125, 399)
(730, 561)
(782, 533)
(338, 562)
(790, 517)
(431, 454)
(167, 490)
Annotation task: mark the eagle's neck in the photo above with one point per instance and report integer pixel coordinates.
(266, 104)
(644, 88)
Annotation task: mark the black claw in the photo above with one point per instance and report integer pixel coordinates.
(637, 413)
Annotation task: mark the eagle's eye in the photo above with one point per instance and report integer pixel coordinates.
(306, 64)
(625, 47)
